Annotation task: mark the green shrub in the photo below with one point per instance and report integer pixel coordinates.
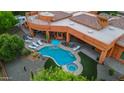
(25, 52)
(50, 63)
(111, 72)
(7, 21)
(10, 47)
(56, 74)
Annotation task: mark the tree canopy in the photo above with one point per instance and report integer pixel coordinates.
(56, 74)
(7, 21)
(10, 47)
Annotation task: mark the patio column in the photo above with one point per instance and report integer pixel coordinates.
(67, 37)
(31, 32)
(110, 52)
(47, 35)
(102, 56)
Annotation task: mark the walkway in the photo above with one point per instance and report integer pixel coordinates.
(114, 64)
(103, 73)
(26, 31)
(89, 51)
(16, 71)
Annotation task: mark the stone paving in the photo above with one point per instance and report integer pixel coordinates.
(114, 64)
(16, 70)
(103, 74)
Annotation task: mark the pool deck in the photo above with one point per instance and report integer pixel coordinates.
(77, 62)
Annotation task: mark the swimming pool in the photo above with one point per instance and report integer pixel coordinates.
(59, 55)
(55, 42)
(72, 67)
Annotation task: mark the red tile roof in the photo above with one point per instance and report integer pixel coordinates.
(91, 20)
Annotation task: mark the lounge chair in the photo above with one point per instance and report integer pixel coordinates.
(39, 42)
(29, 37)
(76, 48)
(32, 47)
(35, 44)
(27, 41)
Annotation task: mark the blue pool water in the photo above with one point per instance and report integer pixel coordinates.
(55, 42)
(72, 67)
(59, 55)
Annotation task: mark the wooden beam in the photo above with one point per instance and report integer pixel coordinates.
(47, 36)
(67, 37)
(111, 51)
(102, 56)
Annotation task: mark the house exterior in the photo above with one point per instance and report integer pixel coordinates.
(118, 52)
(88, 27)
